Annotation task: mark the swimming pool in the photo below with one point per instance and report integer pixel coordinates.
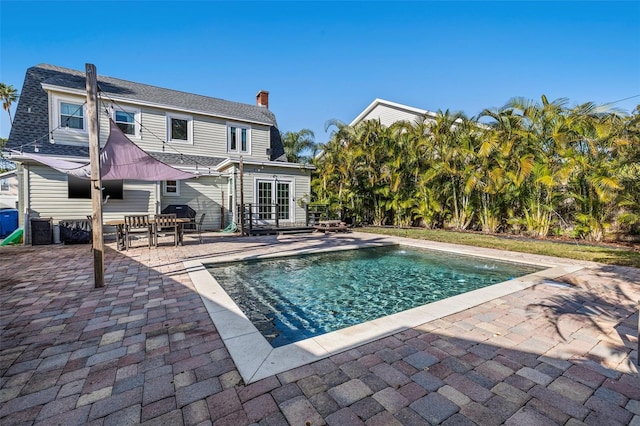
(297, 297)
(256, 358)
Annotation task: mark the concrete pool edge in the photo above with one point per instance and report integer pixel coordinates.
(256, 359)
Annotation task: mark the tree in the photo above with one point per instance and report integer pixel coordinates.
(295, 143)
(8, 95)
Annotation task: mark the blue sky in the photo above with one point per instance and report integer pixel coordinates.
(325, 60)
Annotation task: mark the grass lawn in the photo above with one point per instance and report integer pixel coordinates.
(580, 250)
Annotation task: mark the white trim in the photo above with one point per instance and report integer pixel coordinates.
(170, 194)
(189, 119)
(379, 101)
(56, 122)
(50, 87)
(235, 161)
(136, 118)
(238, 149)
(274, 193)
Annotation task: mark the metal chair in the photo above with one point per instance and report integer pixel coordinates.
(165, 224)
(197, 226)
(137, 225)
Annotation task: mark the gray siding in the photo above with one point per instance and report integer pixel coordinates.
(204, 195)
(49, 197)
(300, 185)
(209, 133)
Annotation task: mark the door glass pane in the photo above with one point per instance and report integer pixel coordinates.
(264, 200)
(282, 198)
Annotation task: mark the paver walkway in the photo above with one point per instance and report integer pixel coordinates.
(144, 350)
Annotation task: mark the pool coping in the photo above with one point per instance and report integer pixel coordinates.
(256, 359)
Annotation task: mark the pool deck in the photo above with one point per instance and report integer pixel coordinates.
(145, 350)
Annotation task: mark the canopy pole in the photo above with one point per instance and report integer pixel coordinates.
(96, 179)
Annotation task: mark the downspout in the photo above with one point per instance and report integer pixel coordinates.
(27, 205)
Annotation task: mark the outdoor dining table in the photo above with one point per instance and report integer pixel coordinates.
(119, 224)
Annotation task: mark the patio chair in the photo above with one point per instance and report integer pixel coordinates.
(197, 226)
(164, 225)
(135, 225)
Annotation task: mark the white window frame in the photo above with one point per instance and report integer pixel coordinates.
(238, 149)
(57, 112)
(274, 193)
(136, 120)
(165, 185)
(4, 182)
(189, 120)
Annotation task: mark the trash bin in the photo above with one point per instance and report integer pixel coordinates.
(8, 221)
(75, 231)
(41, 231)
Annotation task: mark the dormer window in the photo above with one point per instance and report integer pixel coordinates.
(71, 116)
(238, 138)
(179, 128)
(127, 122)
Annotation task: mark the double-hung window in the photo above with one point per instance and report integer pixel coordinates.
(127, 122)
(171, 188)
(179, 128)
(71, 116)
(238, 138)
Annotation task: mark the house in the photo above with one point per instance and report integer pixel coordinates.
(198, 134)
(390, 112)
(8, 190)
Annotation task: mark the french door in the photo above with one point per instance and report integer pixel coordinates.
(273, 198)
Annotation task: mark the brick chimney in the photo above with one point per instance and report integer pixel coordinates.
(262, 99)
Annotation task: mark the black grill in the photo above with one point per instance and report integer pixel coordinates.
(181, 210)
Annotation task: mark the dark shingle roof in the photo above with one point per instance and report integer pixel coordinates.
(31, 121)
(73, 79)
(189, 160)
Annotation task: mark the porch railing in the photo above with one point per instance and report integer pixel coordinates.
(256, 215)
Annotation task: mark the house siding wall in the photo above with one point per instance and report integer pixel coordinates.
(9, 198)
(204, 195)
(49, 198)
(209, 133)
(300, 186)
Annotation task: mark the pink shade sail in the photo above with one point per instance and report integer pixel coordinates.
(119, 159)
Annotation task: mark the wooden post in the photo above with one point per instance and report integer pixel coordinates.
(96, 179)
(242, 198)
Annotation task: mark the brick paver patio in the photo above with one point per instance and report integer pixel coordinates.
(143, 350)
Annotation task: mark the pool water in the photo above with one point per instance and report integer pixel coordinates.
(290, 299)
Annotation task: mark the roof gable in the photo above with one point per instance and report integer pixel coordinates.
(402, 110)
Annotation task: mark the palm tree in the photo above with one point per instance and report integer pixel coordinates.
(295, 143)
(8, 95)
